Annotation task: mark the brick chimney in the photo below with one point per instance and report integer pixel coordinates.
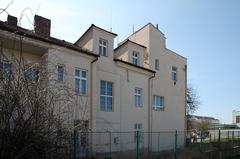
(11, 20)
(42, 26)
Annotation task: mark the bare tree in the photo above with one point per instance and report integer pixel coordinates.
(192, 100)
(37, 113)
(192, 105)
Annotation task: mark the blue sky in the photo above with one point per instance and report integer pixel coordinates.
(207, 32)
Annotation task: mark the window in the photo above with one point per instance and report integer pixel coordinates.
(237, 119)
(31, 73)
(5, 69)
(60, 72)
(174, 73)
(158, 101)
(135, 58)
(81, 81)
(156, 64)
(103, 47)
(106, 96)
(138, 97)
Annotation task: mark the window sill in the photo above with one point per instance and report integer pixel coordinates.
(158, 108)
(79, 94)
(106, 110)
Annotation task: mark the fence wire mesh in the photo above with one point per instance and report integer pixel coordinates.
(172, 144)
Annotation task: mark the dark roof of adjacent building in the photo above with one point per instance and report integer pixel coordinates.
(128, 63)
(30, 34)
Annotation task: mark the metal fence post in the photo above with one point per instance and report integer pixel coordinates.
(137, 144)
(232, 137)
(238, 137)
(175, 145)
(158, 142)
(228, 135)
(219, 139)
(110, 141)
(210, 138)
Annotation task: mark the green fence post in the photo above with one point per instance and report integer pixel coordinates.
(175, 145)
(210, 138)
(228, 135)
(110, 141)
(238, 137)
(137, 144)
(232, 137)
(219, 138)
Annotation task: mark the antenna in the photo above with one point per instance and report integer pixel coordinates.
(133, 28)
(111, 18)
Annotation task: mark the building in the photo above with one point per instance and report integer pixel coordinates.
(139, 85)
(202, 122)
(236, 117)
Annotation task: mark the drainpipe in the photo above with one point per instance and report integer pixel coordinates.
(91, 93)
(149, 112)
(185, 116)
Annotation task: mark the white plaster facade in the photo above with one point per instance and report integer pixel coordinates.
(118, 69)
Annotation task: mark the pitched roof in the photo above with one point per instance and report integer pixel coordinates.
(126, 41)
(92, 26)
(30, 34)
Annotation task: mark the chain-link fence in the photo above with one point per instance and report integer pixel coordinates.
(172, 145)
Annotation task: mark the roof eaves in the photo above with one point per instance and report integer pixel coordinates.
(140, 67)
(126, 41)
(92, 26)
(52, 40)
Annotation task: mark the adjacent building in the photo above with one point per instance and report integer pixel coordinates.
(236, 117)
(139, 85)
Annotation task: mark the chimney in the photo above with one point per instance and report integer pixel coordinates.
(42, 26)
(11, 20)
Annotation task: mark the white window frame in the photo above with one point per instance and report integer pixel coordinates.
(156, 64)
(81, 79)
(174, 73)
(102, 46)
(161, 102)
(106, 96)
(60, 73)
(138, 93)
(135, 58)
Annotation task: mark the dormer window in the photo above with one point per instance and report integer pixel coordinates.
(103, 47)
(135, 58)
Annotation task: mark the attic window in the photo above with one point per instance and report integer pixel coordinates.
(135, 58)
(103, 47)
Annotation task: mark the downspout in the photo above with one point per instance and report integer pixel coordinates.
(185, 114)
(149, 113)
(91, 93)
